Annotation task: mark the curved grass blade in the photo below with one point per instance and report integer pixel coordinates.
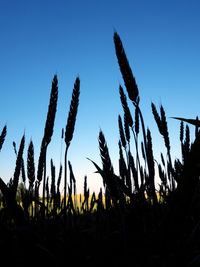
(194, 122)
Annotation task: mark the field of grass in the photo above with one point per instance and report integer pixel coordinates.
(132, 221)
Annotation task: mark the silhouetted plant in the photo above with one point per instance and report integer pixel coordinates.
(69, 130)
(18, 166)
(130, 217)
(48, 132)
(31, 166)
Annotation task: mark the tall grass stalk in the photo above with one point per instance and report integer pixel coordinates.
(48, 132)
(69, 130)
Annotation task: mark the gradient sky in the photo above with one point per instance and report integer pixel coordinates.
(70, 38)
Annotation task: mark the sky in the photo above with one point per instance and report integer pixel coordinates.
(42, 38)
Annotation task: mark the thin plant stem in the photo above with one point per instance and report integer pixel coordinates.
(143, 131)
(137, 154)
(44, 185)
(65, 181)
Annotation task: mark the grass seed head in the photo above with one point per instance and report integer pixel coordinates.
(2, 136)
(69, 130)
(126, 71)
(121, 132)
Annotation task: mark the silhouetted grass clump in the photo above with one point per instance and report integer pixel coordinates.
(130, 221)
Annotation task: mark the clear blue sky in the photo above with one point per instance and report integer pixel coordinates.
(70, 38)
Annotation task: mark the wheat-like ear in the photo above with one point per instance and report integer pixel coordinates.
(18, 166)
(186, 144)
(72, 113)
(113, 183)
(23, 175)
(157, 118)
(127, 113)
(2, 136)
(150, 158)
(31, 165)
(181, 131)
(14, 147)
(105, 157)
(126, 71)
(48, 131)
(162, 126)
(59, 178)
(121, 132)
(128, 121)
(165, 128)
